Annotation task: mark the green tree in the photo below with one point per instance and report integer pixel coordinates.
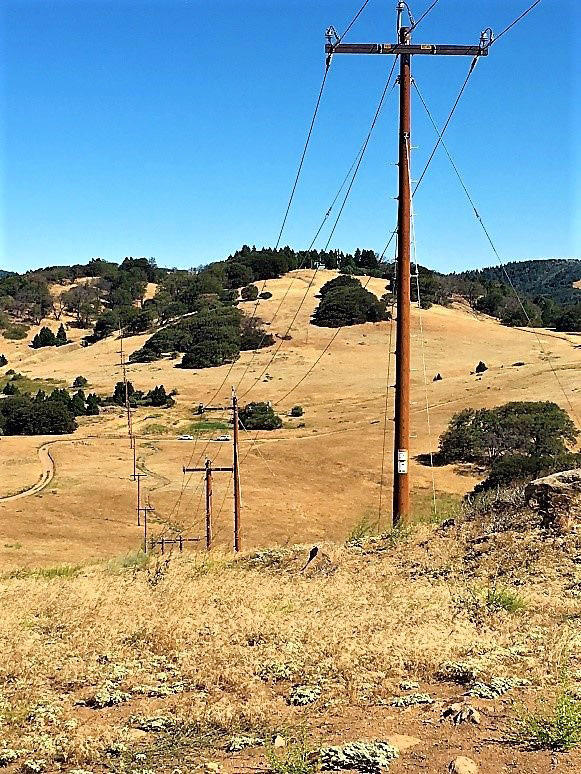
(80, 382)
(259, 416)
(92, 408)
(77, 405)
(44, 338)
(21, 416)
(343, 280)
(3, 360)
(120, 394)
(349, 305)
(569, 320)
(10, 389)
(61, 336)
(531, 428)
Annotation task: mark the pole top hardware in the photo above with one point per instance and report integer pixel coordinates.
(331, 35)
(486, 38)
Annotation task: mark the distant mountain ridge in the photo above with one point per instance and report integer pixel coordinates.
(542, 278)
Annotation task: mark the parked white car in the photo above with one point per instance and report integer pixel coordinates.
(185, 437)
(223, 438)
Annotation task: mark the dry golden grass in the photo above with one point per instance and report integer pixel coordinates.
(87, 512)
(229, 637)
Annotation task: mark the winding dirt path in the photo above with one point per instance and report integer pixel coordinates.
(47, 475)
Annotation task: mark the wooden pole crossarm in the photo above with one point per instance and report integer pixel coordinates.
(438, 49)
(203, 470)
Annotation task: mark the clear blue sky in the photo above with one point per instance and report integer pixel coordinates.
(173, 129)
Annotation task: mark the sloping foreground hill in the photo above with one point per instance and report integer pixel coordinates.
(167, 664)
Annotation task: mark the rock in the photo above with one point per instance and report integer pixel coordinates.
(461, 713)
(462, 765)
(212, 767)
(403, 742)
(557, 498)
(279, 741)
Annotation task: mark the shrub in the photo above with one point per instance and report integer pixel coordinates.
(16, 332)
(249, 293)
(481, 368)
(80, 382)
(3, 360)
(551, 728)
(252, 334)
(500, 598)
(265, 295)
(259, 416)
(297, 411)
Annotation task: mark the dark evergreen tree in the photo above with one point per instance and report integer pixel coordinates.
(120, 394)
(44, 338)
(92, 408)
(61, 336)
(78, 404)
(3, 360)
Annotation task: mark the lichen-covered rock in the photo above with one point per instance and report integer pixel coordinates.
(463, 672)
(557, 498)
(495, 687)
(359, 756)
(275, 671)
(301, 695)
(34, 765)
(408, 685)
(411, 700)
(152, 723)
(108, 695)
(241, 742)
(8, 756)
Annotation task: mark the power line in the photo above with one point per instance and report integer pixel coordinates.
(344, 202)
(492, 245)
(512, 24)
(423, 16)
(425, 169)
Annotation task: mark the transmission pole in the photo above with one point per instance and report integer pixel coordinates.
(208, 504)
(404, 49)
(401, 484)
(209, 470)
(236, 472)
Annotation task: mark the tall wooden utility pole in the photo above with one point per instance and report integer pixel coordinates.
(234, 469)
(236, 472)
(405, 50)
(209, 471)
(208, 504)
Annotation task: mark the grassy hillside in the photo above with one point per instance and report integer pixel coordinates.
(137, 665)
(87, 510)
